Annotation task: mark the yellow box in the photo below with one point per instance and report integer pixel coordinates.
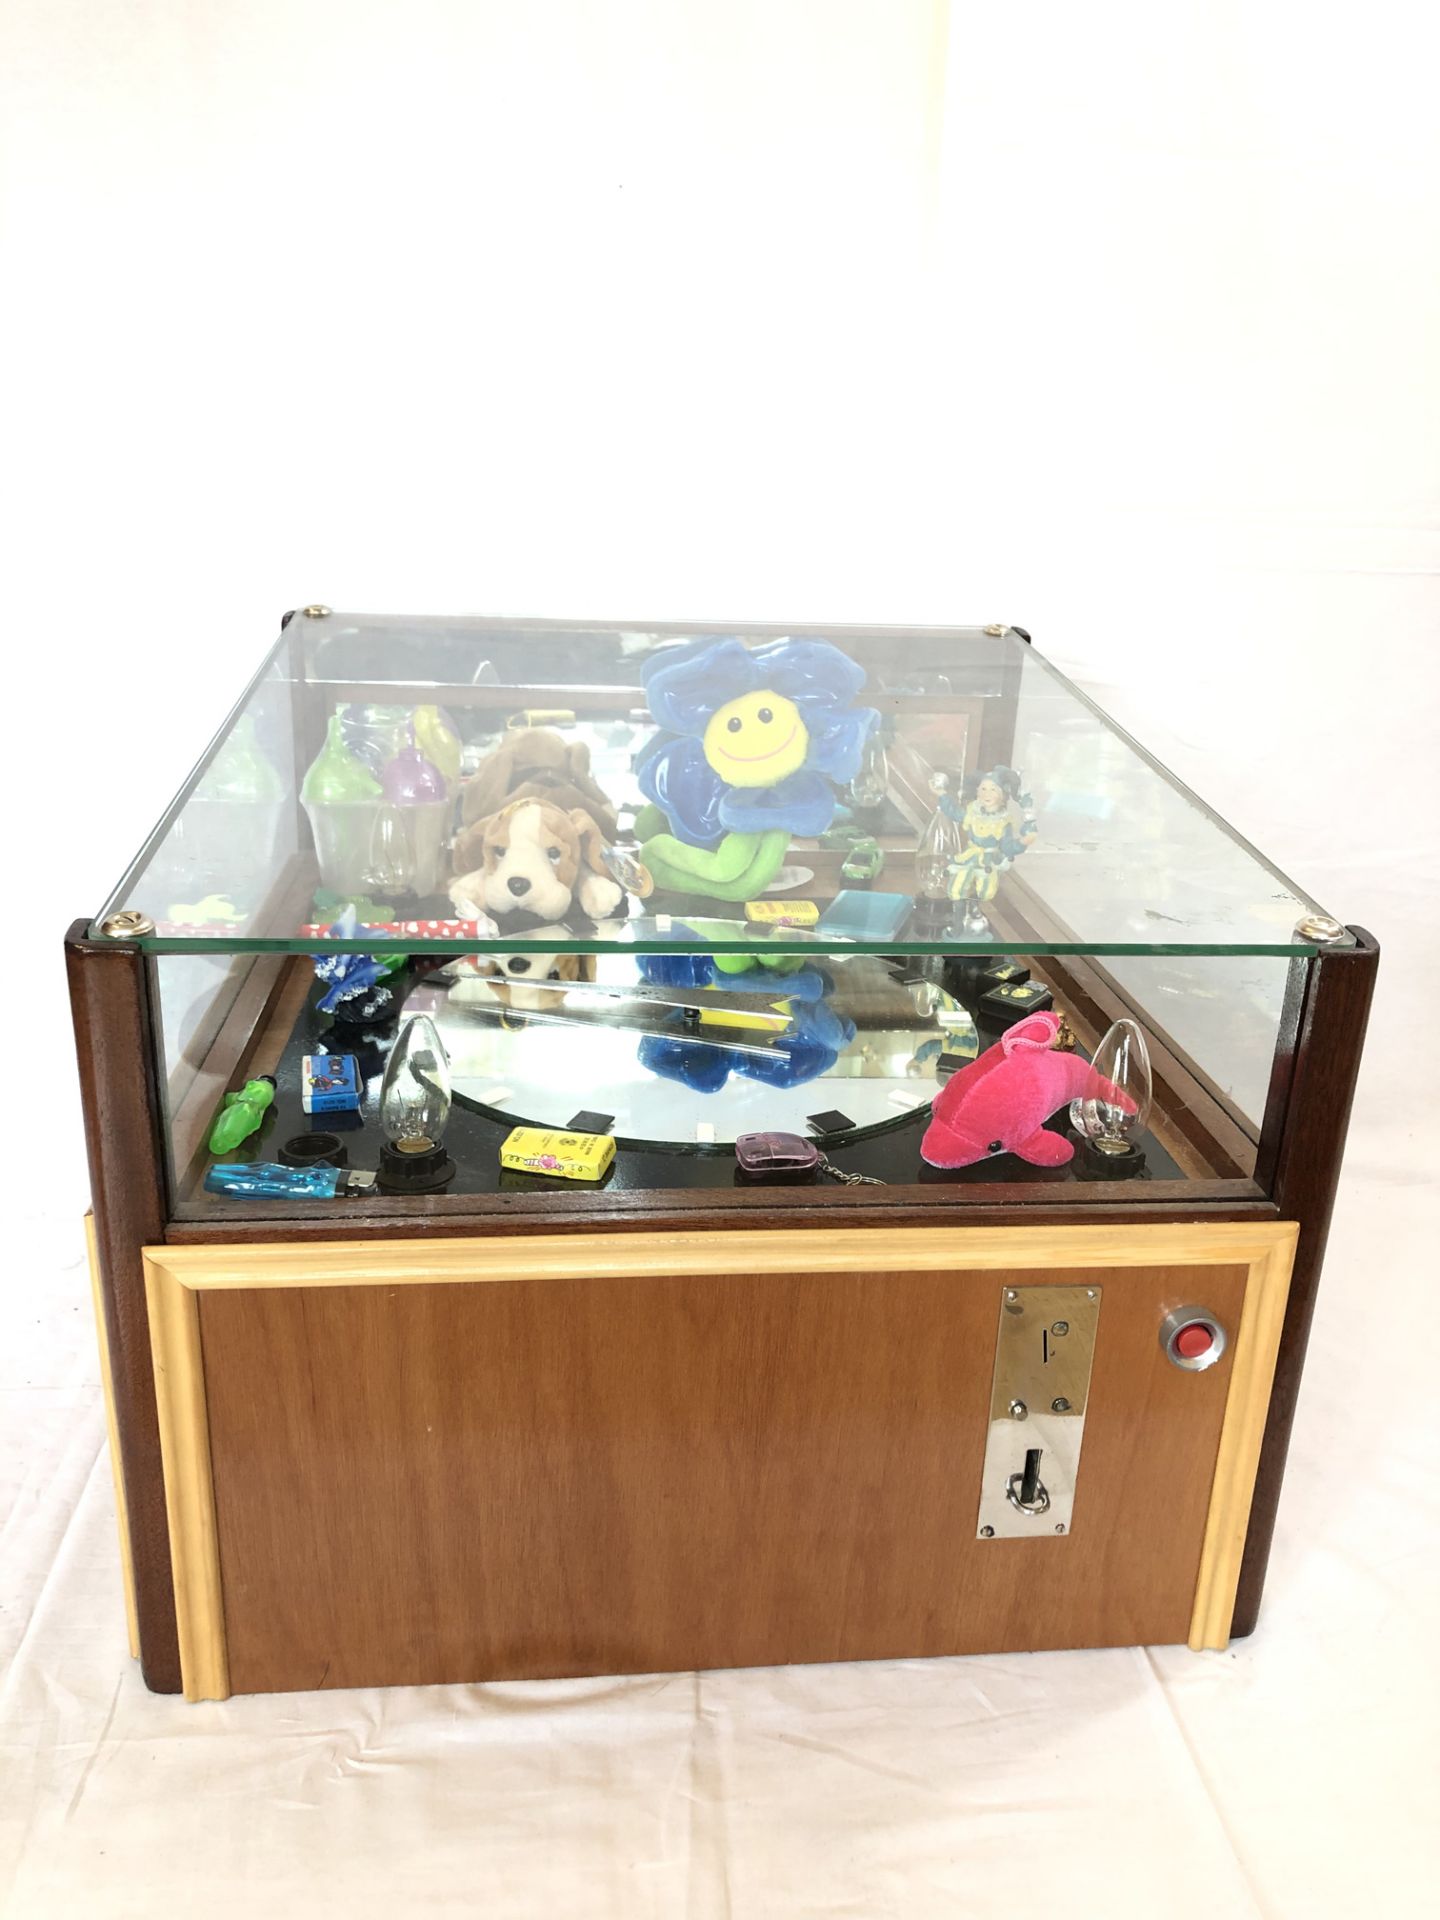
(564, 1156)
(782, 913)
(775, 1022)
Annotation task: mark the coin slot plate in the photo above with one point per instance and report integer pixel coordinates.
(1044, 1350)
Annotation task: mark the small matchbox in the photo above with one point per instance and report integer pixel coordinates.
(329, 1083)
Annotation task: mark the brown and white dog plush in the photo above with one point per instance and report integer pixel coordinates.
(509, 977)
(534, 858)
(536, 763)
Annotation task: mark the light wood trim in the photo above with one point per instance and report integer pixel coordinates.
(189, 1489)
(174, 1275)
(112, 1431)
(1252, 1372)
(429, 1262)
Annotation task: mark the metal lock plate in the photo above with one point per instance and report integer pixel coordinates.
(1043, 1354)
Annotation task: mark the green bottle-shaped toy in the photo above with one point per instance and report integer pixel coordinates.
(240, 770)
(336, 778)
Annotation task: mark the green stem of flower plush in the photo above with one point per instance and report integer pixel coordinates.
(740, 868)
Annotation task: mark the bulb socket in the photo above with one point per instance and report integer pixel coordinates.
(314, 1150)
(363, 1013)
(1110, 1159)
(414, 1166)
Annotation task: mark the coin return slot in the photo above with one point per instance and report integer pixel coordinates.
(1025, 1490)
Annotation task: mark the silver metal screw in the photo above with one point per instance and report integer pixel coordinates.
(1019, 1410)
(1011, 1296)
(987, 1533)
(1092, 1293)
(128, 925)
(1319, 926)
(1060, 1326)
(1059, 1526)
(316, 612)
(1060, 1406)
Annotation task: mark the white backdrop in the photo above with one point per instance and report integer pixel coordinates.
(1120, 322)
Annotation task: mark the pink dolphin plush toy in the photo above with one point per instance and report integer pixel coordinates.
(999, 1103)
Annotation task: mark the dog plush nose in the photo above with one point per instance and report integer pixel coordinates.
(518, 884)
(518, 964)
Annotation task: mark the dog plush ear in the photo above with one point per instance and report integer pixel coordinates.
(474, 862)
(469, 848)
(597, 893)
(470, 852)
(592, 841)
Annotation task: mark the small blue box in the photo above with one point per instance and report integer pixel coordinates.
(330, 1083)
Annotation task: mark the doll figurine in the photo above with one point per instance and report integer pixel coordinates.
(997, 824)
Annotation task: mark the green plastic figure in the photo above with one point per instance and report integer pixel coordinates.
(241, 1113)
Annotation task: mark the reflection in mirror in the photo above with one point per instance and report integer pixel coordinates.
(676, 1056)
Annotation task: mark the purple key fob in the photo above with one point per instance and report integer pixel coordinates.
(775, 1156)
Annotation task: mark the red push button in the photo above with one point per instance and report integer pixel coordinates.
(1194, 1340)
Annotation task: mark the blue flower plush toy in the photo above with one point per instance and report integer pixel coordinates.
(791, 979)
(814, 1042)
(753, 743)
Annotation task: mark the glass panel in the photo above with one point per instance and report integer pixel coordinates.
(490, 787)
(677, 1055)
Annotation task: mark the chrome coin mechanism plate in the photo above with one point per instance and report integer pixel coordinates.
(1044, 1348)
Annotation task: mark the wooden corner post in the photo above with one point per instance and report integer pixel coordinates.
(114, 1043)
(1329, 1038)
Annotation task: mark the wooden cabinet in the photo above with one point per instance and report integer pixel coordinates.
(402, 1462)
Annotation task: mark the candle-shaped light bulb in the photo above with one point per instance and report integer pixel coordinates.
(1121, 1064)
(939, 845)
(414, 1112)
(415, 1093)
(872, 778)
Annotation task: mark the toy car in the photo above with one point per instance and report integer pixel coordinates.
(864, 861)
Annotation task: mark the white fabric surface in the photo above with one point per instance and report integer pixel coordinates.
(1291, 1776)
(1116, 320)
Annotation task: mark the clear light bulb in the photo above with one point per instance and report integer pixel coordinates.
(1123, 1059)
(872, 778)
(938, 847)
(415, 1093)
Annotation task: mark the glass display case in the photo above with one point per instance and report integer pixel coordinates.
(528, 951)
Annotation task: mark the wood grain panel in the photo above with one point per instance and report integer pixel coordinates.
(112, 1436)
(643, 1472)
(1328, 1041)
(1165, 1202)
(117, 1050)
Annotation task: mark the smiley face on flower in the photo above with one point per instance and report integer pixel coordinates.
(757, 740)
(754, 739)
